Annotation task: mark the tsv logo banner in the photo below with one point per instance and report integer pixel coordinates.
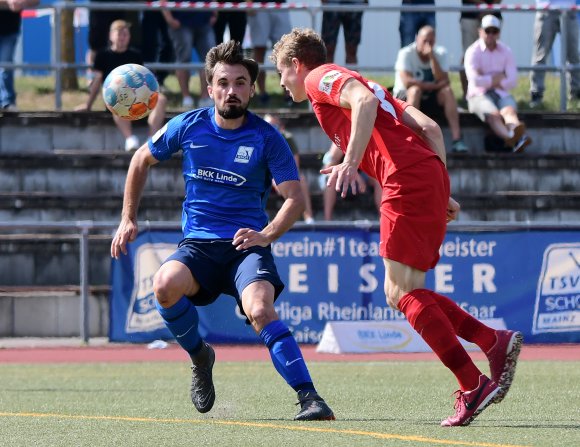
(142, 314)
(557, 307)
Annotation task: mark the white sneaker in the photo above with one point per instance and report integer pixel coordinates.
(11, 108)
(187, 102)
(205, 102)
(132, 143)
(309, 221)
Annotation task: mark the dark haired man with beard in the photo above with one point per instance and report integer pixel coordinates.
(230, 157)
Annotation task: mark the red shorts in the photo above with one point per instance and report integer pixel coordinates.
(414, 214)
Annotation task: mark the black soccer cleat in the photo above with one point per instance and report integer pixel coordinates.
(313, 408)
(202, 389)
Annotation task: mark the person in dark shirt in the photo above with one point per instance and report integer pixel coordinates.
(119, 53)
(10, 22)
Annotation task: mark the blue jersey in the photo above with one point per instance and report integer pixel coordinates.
(228, 173)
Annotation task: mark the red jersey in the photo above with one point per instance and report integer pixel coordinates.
(393, 145)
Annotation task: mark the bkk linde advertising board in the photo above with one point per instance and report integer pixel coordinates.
(525, 280)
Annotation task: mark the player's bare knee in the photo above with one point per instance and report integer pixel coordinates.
(260, 316)
(162, 290)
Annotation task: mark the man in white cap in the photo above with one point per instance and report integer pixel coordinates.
(491, 73)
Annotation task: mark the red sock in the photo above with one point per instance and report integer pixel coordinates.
(427, 318)
(466, 326)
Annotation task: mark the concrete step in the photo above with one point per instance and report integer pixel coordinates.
(105, 173)
(51, 311)
(49, 131)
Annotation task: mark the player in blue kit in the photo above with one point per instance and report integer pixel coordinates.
(230, 156)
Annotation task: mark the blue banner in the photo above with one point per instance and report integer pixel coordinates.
(528, 279)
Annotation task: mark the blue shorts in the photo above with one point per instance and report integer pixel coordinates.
(219, 268)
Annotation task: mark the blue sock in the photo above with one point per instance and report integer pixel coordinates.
(182, 320)
(286, 356)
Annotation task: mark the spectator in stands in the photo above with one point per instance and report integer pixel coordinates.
(156, 45)
(10, 22)
(99, 23)
(351, 27)
(106, 60)
(491, 73)
(190, 29)
(236, 22)
(547, 23)
(333, 157)
(422, 80)
(411, 22)
(266, 27)
(280, 126)
(469, 23)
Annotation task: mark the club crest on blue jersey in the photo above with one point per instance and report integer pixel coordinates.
(244, 154)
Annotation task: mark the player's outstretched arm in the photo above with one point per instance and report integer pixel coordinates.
(290, 212)
(134, 185)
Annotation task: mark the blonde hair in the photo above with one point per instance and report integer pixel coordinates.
(119, 24)
(303, 44)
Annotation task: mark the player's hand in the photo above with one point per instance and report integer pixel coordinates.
(127, 232)
(343, 176)
(453, 208)
(246, 238)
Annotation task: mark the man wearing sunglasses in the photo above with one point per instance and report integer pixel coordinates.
(491, 73)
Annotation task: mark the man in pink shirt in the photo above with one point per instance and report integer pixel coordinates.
(491, 73)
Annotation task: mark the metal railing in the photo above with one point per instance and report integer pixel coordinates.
(82, 231)
(57, 65)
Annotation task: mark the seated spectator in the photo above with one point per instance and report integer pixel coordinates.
(10, 22)
(119, 53)
(236, 21)
(278, 124)
(491, 73)
(333, 157)
(189, 29)
(411, 22)
(266, 28)
(99, 23)
(351, 26)
(469, 23)
(422, 80)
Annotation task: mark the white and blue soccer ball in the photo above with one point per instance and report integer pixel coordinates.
(131, 91)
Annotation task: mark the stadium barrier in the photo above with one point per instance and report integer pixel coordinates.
(526, 274)
(527, 277)
(56, 10)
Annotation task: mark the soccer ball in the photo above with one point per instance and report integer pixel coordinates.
(130, 91)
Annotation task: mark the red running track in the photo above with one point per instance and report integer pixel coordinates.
(119, 353)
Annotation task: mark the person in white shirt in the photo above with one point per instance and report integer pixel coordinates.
(422, 80)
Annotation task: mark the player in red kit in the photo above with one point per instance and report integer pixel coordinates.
(404, 150)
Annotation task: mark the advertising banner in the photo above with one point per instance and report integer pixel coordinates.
(528, 280)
